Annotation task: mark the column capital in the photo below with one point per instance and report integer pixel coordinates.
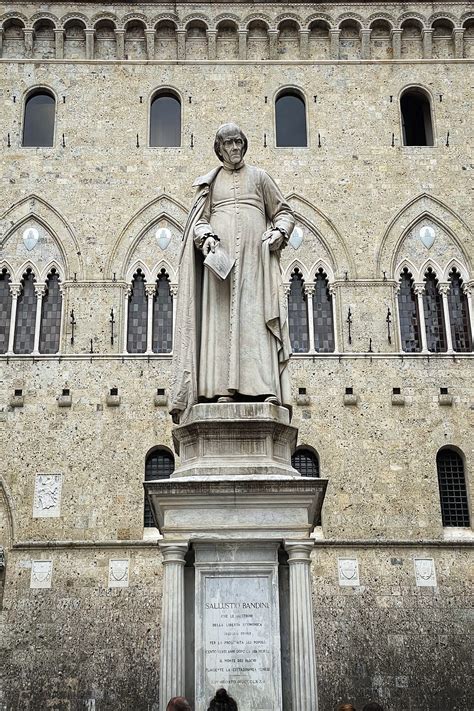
(28, 31)
(395, 31)
(299, 551)
(174, 289)
(444, 288)
(309, 289)
(173, 552)
(427, 31)
(40, 289)
(89, 31)
(182, 31)
(150, 289)
(365, 31)
(459, 31)
(304, 31)
(58, 30)
(15, 290)
(419, 289)
(150, 32)
(119, 31)
(466, 288)
(273, 32)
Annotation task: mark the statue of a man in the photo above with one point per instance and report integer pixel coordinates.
(231, 340)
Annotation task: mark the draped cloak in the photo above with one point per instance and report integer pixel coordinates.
(232, 336)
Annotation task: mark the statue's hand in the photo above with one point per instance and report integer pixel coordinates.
(275, 240)
(209, 246)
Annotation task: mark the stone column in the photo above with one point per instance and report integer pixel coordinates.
(443, 290)
(309, 291)
(181, 39)
(334, 38)
(174, 295)
(150, 290)
(211, 44)
(243, 44)
(28, 36)
(128, 291)
(467, 289)
(172, 678)
(15, 291)
(365, 43)
(332, 291)
(458, 37)
(427, 43)
(1, 42)
(40, 290)
(304, 692)
(419, 290)
(59, 43)
(273, 42)
(397, 330)
(150, 44)
(120, 41)
(304, 44)
(90, 33)
(396, 43)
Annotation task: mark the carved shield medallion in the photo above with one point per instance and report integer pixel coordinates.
(163, 237)
(296, 238)
(427, 236)
(30, 238)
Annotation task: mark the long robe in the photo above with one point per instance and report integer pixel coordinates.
(232, 336)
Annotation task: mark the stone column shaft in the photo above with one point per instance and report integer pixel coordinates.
(458, 36)
(332, 291)
(304, 44)
(444, 288)
(150, 292)
(468, 291)
(365, 43)
(15, 290)
(243, 44)
(150, 44)
(40, 291)
(427, 44)
(211, 44)
(419, 291)
(172, 679)
(59, 43)
(28, 35)
(334, 37)
(396, 44)
(309, 291)
(174, 294)
(273, 41)
(302, 644)
(1, 42)
(120, 42)
(181, 38)
(90, 34)
(128, 291)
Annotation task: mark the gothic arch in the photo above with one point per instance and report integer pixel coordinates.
(423, 205)
(161, 207)
(296, 264)
(134, 267)
(164, 264)
(317, 222)
(455, 264)
(27, 264)
(34, 207)
(53, 264)
(325, 266)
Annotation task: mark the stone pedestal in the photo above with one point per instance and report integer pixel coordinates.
(239, 506)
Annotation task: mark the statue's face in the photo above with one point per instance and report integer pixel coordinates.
(232, 148)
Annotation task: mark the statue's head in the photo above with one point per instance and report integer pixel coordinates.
(230, 143)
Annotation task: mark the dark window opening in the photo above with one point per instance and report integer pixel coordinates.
(416, 118)
(51, 315)
(162, 332)
(434, 315)
(408, 313)
(298, 314)
(5, 310)
(159, 465)
(38, 124)
(459, 314)
(137, 315)
(25, 315)
(165, 120)
(290, 115)
(323, 315)
(452, 488)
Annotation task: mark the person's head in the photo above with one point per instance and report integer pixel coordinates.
(178, 703)
(230, 143)
(373, 706)
(346, 707)
(222, 702)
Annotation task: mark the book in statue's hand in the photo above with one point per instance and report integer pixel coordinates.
(219, 263)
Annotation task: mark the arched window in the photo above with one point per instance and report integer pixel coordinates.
(306, 462)
(459, 314)
(452, 488)
(163, 315)
(323, 315)
(38, 123)
(25, 315)
(408, 314)
(137, 315)
(416, 118)
(290, 119)
(5, 310)
(434, 318)
(159, 465)
(51, 315)
(298, 314)
(165, 120)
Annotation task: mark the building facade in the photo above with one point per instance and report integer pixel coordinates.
(362, 113)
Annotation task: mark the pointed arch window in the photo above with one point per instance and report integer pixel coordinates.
(290, 120)
(417, 126)
(459, 314)
(137, 320)
(452, 488)
(408, 314)
(38, 121)
(159, 464)
(162, 315)
(51, 308)
(298, 314)
(434, 317)
(165, 120)
(5, 310)
(25, 315)
(323, 317)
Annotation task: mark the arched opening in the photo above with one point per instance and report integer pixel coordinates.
(381, 40)
(318, 41)
(227, 41)
(137, 321)
(468, 38)
(43, 39)
(165, 120)
(408, 314)
(298, 314)
(74, 39)
(290, 119)
(166, 46)
(412, 42)
(5, 310)
(452, 488)
(417, 127)
(25, 315)
(443, 40)
(159, 464)
(323, 315)
(13, 38)
(51, 309)
(459, 314)
(196, 40)
(434, 315)
(105, 42)
(38, 122)
(163, 315)
(349, 40)
(289, 39)
(135, 46)
(258, 46)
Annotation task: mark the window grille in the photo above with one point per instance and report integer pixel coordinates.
(165, 120)
(408, 313)
(5, 310)
(323, 315)
(306, 462)
(452, 488)
(298, 314)
(51, 315)
(162, 315)
(434, 318)
(137, 315)
(38, 123)
(459, 315)
(25, 315)
(290, 119)
(159, 465)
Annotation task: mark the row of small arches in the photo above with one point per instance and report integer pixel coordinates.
(160, 464)
(165, 118)
(256, 38)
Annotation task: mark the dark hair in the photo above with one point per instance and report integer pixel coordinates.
(372, 706)
(222, 702)
(178, 703)
(225, 128)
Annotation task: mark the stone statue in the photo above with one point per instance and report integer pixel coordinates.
(232, 339)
